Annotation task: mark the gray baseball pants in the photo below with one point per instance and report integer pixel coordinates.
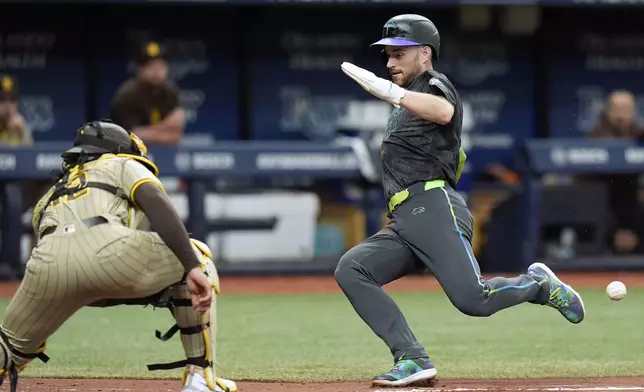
(430, 229)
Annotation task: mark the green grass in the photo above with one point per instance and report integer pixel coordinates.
(318, 337)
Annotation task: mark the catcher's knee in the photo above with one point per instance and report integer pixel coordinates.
(199, 352)
(12, 361)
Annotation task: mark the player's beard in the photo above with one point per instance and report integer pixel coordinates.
(413, 74)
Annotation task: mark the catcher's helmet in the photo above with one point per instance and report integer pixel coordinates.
(411, 30)
(105, 137)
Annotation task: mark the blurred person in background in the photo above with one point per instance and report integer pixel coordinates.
(14, 131)
(13, 127)
(626, 228)
(148, 104)
(618, 117)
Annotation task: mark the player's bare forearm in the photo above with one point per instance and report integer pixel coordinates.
(174, 122)
(166, 222)
(158, 135)
(168, 131)
(428, 106)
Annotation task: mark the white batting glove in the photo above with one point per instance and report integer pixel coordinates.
(379, 87)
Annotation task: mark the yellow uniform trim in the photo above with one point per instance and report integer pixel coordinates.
(398, 198)
(130, 216)
(207, 253)
(145, 161)
(138, 184)
(202, 247)
(434, 184)
(76, 179)
(462, 157)
(209, 374)
(211, 381)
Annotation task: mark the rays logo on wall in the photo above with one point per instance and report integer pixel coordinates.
(191, 100)
(38, 111)
(472, 63)
(318, 117)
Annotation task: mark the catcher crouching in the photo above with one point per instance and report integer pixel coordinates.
(91, 251)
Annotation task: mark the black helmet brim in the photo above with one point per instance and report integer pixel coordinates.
(391, 41)
(86, 149)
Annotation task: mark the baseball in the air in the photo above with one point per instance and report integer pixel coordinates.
(616, 290)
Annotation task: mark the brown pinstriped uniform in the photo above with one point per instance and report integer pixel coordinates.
(75, 265)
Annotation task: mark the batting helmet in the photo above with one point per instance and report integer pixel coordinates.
(105, 137)
(411, 30)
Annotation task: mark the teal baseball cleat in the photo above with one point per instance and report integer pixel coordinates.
(562, 297)
(406, 372)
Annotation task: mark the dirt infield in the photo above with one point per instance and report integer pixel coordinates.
(288, 285)
(326, 284)
(612, 384)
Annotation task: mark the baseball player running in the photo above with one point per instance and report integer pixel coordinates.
(90, 253)
(430, 225)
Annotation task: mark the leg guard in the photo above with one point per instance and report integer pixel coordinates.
(198, 331)
(13, 361)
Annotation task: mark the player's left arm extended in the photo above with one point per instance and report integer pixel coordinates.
(168, 131)
(428, 106)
